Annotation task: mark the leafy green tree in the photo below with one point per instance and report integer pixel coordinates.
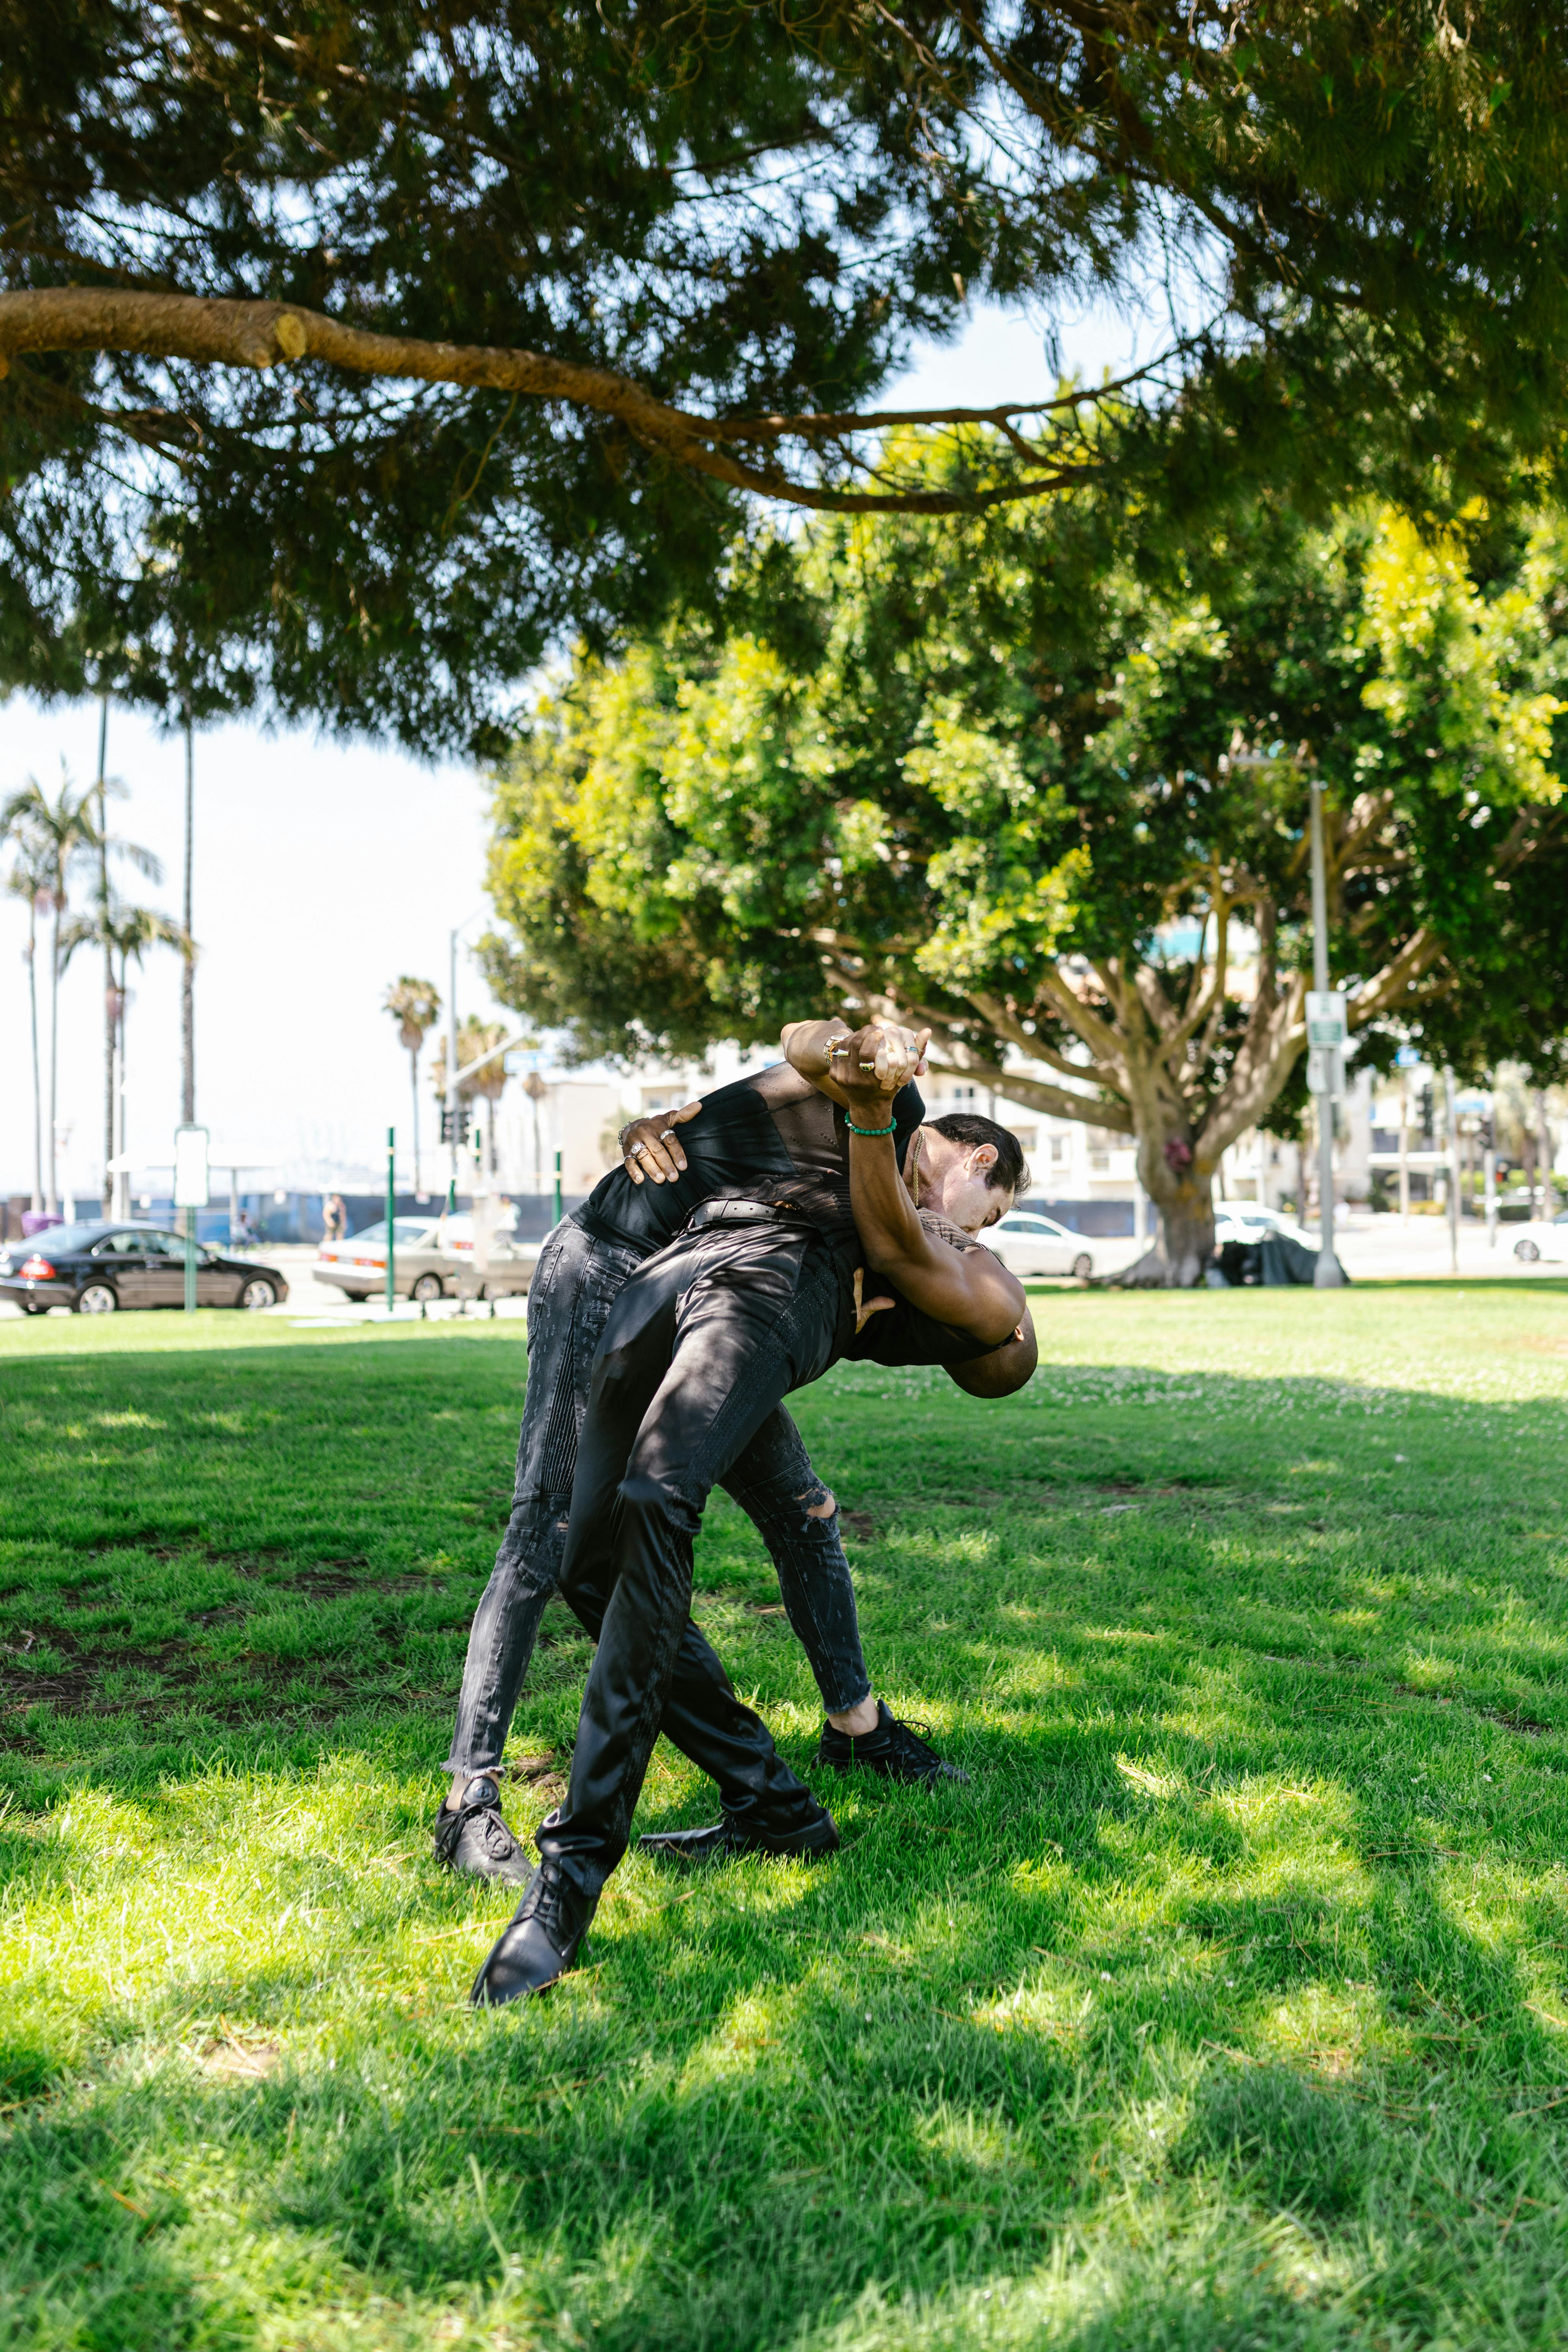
(984, 776)
(353, 353)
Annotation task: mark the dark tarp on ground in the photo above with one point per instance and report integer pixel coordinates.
(1275, 1261)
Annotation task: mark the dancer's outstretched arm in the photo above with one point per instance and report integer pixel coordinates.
(966, 1286)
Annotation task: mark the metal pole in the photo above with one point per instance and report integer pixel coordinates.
(452, 1080)
(190, 1261)
(1403, 1148)
(1452, 1140)
(188, 977)
(109, 1017)
(1488, 1180)
(1328, 1275)
(558, 1188)
(391, 1214)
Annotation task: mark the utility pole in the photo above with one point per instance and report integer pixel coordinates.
(452, 1079)
(188, 975)
(1329, 1276)
(109, 1020)
(1545, 1149)
(1452, 1140)
(1404, 1147)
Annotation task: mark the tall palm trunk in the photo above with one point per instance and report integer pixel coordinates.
(37, 1072)
(413, 1081)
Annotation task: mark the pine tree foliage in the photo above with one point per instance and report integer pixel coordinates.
(356, 355)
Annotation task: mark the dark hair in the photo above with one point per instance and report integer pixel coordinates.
(1010, 1173)
(1005, 1371)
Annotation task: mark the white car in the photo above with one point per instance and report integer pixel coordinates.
(1245, 1221)
(1543, 1237)
(1028, 1242)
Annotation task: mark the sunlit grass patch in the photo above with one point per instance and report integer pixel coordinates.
(1226, 2006)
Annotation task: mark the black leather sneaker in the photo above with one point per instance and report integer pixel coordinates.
(472, 1837)
(723, 1838)
(895, 1750)
(539, 1944)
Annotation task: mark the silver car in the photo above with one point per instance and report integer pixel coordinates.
(432, 1257)
(1029, 1242)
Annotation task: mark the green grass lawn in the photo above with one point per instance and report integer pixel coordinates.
(1228, 2008)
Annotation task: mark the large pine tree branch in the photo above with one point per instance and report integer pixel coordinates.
(214, 331)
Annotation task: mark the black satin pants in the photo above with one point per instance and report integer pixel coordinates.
(703, 1342)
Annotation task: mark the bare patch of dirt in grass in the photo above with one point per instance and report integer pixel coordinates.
(234, 2058)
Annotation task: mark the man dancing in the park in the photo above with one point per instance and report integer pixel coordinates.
(756, 1298)
(736, 1141)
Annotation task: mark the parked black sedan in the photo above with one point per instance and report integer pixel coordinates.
(95, 1269)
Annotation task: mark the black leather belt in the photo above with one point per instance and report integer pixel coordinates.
(738, 1212)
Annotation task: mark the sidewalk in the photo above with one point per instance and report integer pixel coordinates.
(1380, 1249)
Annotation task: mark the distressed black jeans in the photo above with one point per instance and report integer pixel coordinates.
(701, 1347)
(575, 1285)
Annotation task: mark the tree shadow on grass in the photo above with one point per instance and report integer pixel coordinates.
(1207, 1743)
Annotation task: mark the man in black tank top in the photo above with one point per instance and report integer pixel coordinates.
(769, 1137)
(755, 1297)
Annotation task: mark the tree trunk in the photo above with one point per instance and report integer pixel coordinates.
(1182, 1188)
(414, 1083)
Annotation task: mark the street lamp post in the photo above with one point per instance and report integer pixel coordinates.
(391, 1217)
(1329, 1275)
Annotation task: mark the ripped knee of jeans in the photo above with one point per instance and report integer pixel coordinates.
(819, 1502)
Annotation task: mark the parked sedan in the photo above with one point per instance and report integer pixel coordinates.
(1027, 1243)
(1543, 1237)
(432, 1257)
(95, 1269)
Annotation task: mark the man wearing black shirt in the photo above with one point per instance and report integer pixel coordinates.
(756, 1297)
(733, 1143)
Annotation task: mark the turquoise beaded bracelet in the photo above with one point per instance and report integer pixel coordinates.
(889, 1130)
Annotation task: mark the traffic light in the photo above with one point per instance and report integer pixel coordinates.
(1427, 1110)
(1487, 1133)
(454, 1123)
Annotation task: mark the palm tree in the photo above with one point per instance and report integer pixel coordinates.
(416, 1006)
(30, 878)
(475, 1038)
(65, 831)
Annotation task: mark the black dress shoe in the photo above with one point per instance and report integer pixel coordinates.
(722, 1839)
(540, 1943)
(895, 1750)
(472, 1837)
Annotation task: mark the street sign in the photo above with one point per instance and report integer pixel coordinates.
(516, 1059)
(1325, 1018)
(1320, 1070)
(191, 1189)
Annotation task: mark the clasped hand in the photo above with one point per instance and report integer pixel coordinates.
(872, 1064)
